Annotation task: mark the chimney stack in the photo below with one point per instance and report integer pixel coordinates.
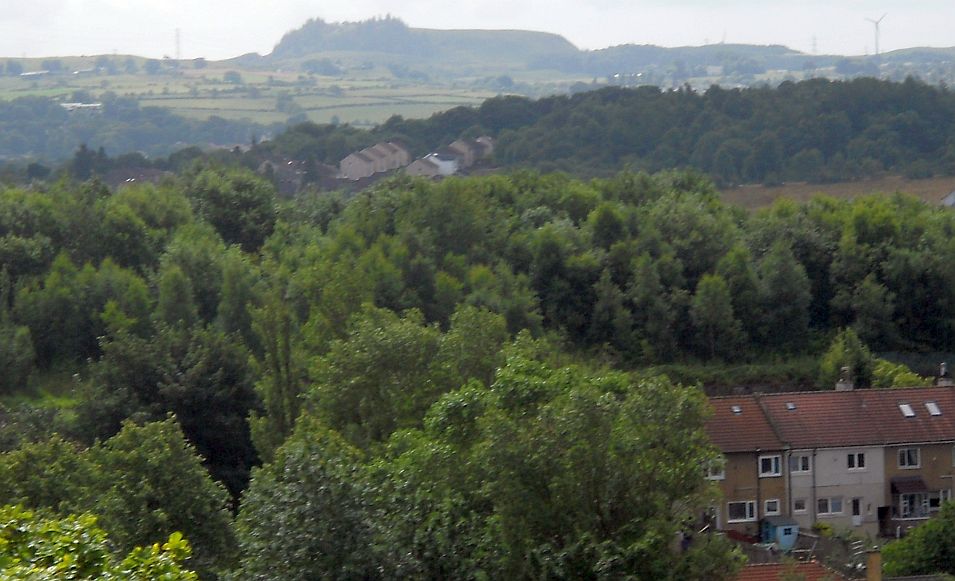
(944, 379)
(845, 382)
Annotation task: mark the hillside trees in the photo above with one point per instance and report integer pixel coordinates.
(814, 130)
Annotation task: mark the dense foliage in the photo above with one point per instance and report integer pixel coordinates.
(37, 547)
(424, 371)
(144, 484)
(645, 269)
(543, 473)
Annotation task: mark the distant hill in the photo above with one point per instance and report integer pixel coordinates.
(521, 48)
(391, 35)
(465, 52)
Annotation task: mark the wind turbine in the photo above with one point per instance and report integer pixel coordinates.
(877, 23)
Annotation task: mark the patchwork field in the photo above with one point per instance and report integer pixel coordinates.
(362, 98)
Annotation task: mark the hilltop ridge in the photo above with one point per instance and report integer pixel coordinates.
(464, 51)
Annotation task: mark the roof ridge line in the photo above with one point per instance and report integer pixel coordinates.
(770, 420)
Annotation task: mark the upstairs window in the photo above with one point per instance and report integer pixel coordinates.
(770, 466)
(803, 463)
(909, 458)
(856, 461)
(716, 470)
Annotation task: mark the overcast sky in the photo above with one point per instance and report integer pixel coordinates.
(219, 29)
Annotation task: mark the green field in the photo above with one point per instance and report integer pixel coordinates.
(362, 97)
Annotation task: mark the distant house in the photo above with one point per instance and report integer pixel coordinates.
(356, 166)
(389, 155)
(447, 164)
(290, 176)
(381, 157)
(82, 106)
(467, 151)
(487, 145)
(423, 167)
(127, 176)
(949, 200)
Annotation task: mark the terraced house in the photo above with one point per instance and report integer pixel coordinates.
(877, 461)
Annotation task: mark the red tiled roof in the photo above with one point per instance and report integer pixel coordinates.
(829, 419)
(743, 431)
(884, 411)
(811, 571)
(821, 419)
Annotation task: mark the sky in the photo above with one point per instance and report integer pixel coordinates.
(218, 29)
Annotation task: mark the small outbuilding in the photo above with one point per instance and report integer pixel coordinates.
(781, 530)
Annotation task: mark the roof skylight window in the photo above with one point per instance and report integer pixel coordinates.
(907, 410)
(737, 410)
(933, 408)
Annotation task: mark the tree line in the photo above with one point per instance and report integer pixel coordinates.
(816, 130)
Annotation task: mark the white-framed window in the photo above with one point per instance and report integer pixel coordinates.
(803, 462)
(770, 466)
(741, 511)
(856, 461)
(832, 505)
(914, 505)
(716, 470)
(771, 507)
(935, 501)
(909, 458)
(799, 505)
